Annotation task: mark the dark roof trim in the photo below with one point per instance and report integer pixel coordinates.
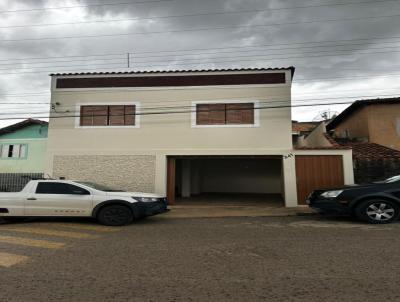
(21, 125)
(357, 105)
(291, 68)
(172, 80)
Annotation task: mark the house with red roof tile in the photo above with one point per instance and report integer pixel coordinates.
(373, 121)
(371, 129)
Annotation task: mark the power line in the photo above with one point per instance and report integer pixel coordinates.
(188, 111)
(166, 88)
(217, 48)
(196, 29)
(211, 58)
(122, 69)
(253, 98)
(195, 15)
(202, 61)
(210, 53)
(81, 6)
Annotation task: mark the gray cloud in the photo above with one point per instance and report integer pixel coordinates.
(372, 57)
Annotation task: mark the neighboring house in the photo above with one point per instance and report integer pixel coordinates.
(374, 121)
(301, 129)
(23, 147)
(187, 133)
(371, 161)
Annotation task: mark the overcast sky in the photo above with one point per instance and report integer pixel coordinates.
(341, 52)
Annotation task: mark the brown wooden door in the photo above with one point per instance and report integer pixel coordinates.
(317, 171)
(171, 180)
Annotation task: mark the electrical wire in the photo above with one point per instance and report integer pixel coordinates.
(150, 66)
(82, 6)
(187, 111)
(218, 48)
(197, 29)
(203, 54)
(62, 93)
(144, 108)
(193, 15)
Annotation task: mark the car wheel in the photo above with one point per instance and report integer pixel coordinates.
(377, 211)
(115, 215)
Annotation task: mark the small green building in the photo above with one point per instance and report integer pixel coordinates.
(23, 147)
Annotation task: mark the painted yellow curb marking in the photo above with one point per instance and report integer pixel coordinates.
(8, 260)
(85, 227)
(40, 231)
(31, 242)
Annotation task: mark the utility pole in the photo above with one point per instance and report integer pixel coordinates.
(128, 59)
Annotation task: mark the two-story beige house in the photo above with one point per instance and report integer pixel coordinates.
(185, 134)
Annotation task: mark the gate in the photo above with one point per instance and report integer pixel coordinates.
(15, 182)
(317, 171)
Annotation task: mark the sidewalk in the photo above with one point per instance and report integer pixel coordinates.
(214, 211)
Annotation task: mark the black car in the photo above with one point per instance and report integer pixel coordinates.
(377, 202)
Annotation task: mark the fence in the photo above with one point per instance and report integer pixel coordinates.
(14, 182)
(369, 170)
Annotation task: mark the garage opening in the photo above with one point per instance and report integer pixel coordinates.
(225, 179)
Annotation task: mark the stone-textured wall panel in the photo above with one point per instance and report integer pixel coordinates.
(127, 172)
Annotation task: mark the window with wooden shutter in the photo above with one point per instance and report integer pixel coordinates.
(130, 112)
(100, 115)
(225, 114)
(114, 115)
(94, 115)
(240, 113)
(210, 114)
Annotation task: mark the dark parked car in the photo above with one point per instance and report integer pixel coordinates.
(377, 202)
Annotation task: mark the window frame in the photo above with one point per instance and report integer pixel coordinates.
(19, 151)
(137, 115)
(256, 114)
(65, 184)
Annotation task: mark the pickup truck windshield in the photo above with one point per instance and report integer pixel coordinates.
(98, 186)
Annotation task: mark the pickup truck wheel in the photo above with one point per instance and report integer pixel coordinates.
(115, 215)
(377, 211)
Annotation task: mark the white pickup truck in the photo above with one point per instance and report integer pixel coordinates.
(65, 198)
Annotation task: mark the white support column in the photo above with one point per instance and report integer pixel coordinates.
(289, 181)
(161, 174)
(186, 182)
(348, 169)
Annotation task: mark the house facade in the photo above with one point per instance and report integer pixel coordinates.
(180, 133)
(374, 121)
(23, 147)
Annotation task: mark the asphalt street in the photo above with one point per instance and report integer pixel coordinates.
(209, 259)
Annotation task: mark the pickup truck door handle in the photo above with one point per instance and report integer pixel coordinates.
(31, 198)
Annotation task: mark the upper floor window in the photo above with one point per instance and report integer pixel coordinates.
(225, 114)
(13, 151)
(103, 115)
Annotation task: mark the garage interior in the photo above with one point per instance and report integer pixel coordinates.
(226, 180)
